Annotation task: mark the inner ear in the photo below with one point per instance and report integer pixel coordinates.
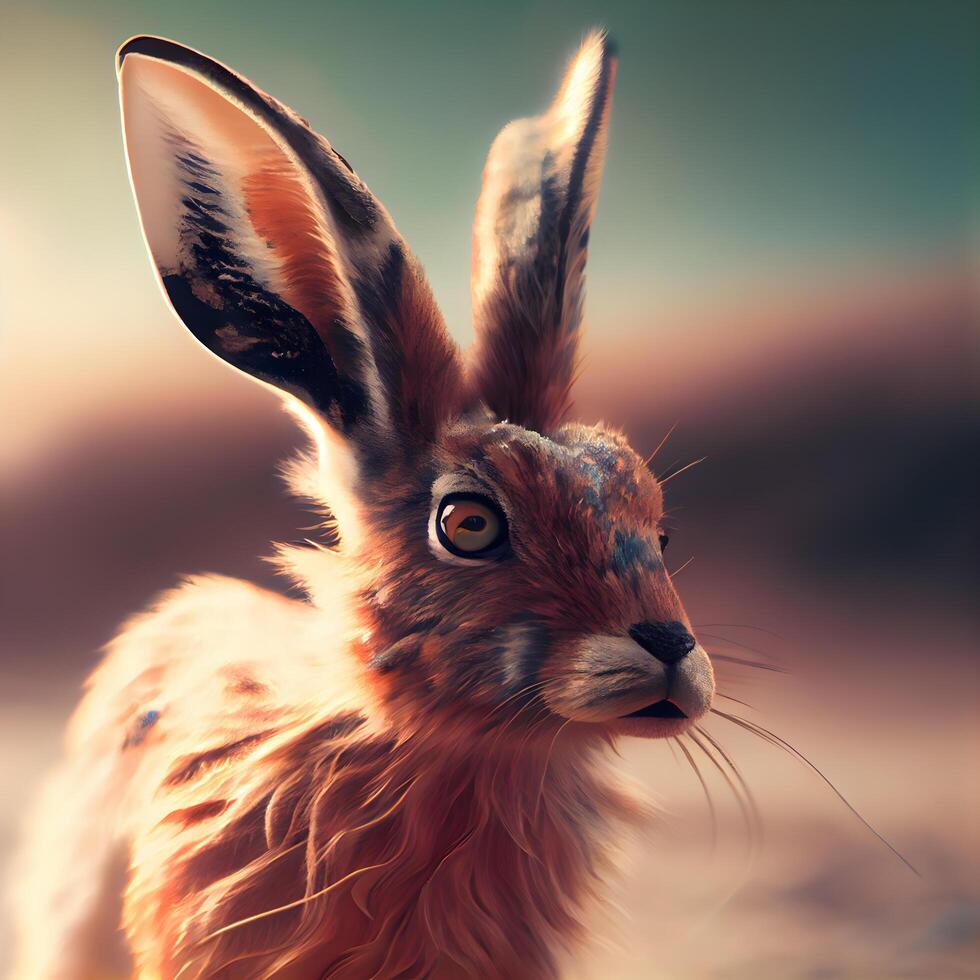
(241, 240)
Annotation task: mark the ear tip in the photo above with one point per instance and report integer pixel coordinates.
(134, 45)
(599, 38)
(153, 46)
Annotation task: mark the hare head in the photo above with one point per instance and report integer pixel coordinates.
(505, 562)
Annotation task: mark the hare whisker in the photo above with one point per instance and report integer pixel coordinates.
(766, 735)
(660, 445)
(665, 480)
(705, 789)
(736, 783)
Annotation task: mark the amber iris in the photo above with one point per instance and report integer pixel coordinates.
(470, 526)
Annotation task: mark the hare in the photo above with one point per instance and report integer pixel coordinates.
(405, 774)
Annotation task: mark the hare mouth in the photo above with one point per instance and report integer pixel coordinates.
(659, 709)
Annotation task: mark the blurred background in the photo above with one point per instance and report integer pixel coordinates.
(782, 268)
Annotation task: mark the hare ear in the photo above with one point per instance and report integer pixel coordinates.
(532, 226)
(276, 256)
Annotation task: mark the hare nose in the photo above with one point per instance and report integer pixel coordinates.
(668, 642)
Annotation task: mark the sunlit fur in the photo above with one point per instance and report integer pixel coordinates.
(404, 773)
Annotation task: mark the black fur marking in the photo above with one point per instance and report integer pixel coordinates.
(584, 149)
(533, 654)
(204, 215)
(349, 353)
(546, 242)
(193, 163)
(199, 188)
(379, 297)
(576, 180)
(633, 554)
(262, 336)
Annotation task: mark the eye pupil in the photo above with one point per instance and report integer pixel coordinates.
(664, 541)
(473, 523)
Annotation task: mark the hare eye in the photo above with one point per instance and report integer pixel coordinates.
(470, 526)
(664, 541)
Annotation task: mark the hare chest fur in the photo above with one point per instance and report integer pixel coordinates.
(404, 773)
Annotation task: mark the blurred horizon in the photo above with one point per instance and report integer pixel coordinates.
(783, 269)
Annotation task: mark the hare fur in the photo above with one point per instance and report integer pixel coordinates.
(405, 773)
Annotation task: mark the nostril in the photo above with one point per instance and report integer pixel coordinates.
(668, 642)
